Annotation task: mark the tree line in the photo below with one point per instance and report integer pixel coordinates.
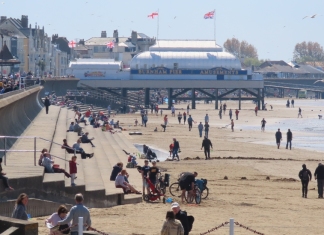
(303, 52)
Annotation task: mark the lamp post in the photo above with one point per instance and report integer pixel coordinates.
(50, 72)
(35, 74)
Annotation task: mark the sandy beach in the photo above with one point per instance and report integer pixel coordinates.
(273, 206)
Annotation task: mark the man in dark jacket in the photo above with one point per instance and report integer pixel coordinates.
(206, 144)
(85, 139)
(185, 220)
(289, 138)
(176, 147)
(319, 175)
(47, 104)
(278, 138)
(116, 169)
(305, 176)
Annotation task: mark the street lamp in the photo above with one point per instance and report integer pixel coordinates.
(50, 72)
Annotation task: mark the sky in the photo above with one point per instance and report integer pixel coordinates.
(274, 27)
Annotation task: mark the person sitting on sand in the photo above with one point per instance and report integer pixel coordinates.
(120, 182)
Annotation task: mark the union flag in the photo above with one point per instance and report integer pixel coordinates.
(210, 15)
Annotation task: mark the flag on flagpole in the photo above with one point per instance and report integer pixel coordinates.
(111, 44)
(153, 15)
(209, 15)
(72, 44)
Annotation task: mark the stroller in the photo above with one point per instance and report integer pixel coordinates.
(155, 194)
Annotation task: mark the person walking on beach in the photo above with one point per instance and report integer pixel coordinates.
(200, 129)
(165, 119)
(47, 104)
(263, 122)
(179, 117)
(220, 113)
(172, 226)
(206, 129)
(237, 113)
(289, 139)
(224, 107)
(256, 110)
(188, 109)
(278, 138)
(230, 114)
(232, 125)
(292, 103)
(319, 176)
(190, 121)
(299, 113)
(176, 147)
(173, 111)
(206, 144)
(206, 118)
(305, 176)
(184, 118)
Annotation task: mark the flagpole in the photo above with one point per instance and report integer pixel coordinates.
(215, 26)
(158, 17)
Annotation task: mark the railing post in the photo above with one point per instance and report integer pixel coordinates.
(35, 151)
(231, 231)
(80, 226)
(5, 151)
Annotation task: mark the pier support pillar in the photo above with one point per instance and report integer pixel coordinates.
(193, 98)
(147, 98)
(297, 91)
(216, 98)
(262, 99)
(259, 99)
(170, 91)
(240, 96)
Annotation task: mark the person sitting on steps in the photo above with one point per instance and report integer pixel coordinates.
(78, 149)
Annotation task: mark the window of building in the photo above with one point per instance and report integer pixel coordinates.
(145, 66)
(95, 49)
(175, 65)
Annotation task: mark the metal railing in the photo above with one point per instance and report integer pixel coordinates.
(301, 86)
(5, 150)
(5, 95)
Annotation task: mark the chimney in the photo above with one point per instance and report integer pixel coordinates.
(3, 19)
(81, 42)
(134, 37)
(103, 34)
(115, 35)
(24, 21)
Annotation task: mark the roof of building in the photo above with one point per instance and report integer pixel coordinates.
(6, 57)
(98, 41)
(283, 67)
(186, 45)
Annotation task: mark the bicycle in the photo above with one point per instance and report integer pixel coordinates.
(176, 191)
(161, 184)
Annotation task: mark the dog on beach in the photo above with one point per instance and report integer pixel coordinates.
(319, 116)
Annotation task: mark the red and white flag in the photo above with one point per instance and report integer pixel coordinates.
(110, 44)
(153, 15)
(210, 15)
(72, 44)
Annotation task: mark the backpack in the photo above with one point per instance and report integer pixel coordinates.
(190, 219)
(305, 175)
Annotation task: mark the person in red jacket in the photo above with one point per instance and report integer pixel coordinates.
(237, 113)
(73, 169)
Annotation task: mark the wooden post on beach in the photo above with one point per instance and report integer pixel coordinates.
(240, 95)
(216, 98)
(193, 98)
(231, 224)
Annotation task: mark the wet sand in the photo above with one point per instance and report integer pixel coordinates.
(272, 206)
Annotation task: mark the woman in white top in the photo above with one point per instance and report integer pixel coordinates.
(57, 216)
(120, 182)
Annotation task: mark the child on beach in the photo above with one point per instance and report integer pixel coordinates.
(73, 169)
(136, 122)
